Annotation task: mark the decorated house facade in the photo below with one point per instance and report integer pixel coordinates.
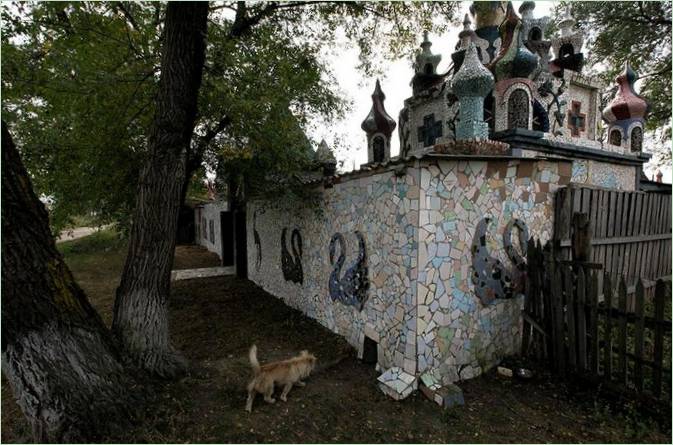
(418, 259)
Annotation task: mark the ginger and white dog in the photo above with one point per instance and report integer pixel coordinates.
(285, 373)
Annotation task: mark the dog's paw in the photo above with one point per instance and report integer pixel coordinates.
(300, 384)
(283, 398)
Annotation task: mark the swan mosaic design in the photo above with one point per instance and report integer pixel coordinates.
(491, 278)
(351, 287)
(291, 263)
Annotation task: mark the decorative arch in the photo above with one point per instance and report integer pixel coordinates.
(518, 109)
(615, 137)
(535, 34)
(637, 139)
(378, 148)
(566, 50)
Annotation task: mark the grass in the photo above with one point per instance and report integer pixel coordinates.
(213, 321)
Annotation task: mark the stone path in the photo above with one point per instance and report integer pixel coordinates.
(204, 272)
(78, 232)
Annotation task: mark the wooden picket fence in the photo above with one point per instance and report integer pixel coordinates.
(583, 321)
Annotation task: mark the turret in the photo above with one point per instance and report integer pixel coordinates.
(471, 85)
(425, 67)
(625, 114)
(325, 158)
(567, 48)
(378, 126)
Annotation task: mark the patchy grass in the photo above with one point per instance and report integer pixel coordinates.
(214, 321)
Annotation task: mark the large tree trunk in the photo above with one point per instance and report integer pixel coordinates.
(141, 306)
(57, 354)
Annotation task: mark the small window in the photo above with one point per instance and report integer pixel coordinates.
(378, 147)
(535, 34)
(566, 50)
(615, 137)
(637, 139)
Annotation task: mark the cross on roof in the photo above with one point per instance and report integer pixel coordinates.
(576, 120)
(430, 131)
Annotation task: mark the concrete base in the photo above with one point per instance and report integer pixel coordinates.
(396, 383)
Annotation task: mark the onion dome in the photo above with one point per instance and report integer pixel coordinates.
(472, 79)
(514, 59)
(471, 84)
(378, 120)
(426, 62)
(467, 34)
(488, 13)
(626, 104)
(526, 10)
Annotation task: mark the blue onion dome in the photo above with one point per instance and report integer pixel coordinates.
(514, 59)
(473, 79)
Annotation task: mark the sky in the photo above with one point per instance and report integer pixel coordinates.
(395, 84)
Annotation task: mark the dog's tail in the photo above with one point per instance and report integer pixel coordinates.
(253, 359)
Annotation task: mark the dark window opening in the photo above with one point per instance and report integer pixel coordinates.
(566, 50)
(615, 137)
(535, 34)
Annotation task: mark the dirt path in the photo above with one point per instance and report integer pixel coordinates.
(215, 320)
(77, 233)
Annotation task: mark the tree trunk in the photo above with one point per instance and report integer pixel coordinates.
(58, 356)
(141, 306)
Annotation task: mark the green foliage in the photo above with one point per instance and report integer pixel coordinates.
(79, 79)
(637, 32)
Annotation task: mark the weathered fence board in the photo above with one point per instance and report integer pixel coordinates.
(631, 230)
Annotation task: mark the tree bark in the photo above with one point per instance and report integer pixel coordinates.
(141, 307)
(58, 356)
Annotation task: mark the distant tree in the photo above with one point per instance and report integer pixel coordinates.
(59, 358)
(640, 33)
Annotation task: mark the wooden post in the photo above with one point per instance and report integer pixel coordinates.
(559, 334)
(593, 302)
(607, 292)
(570, 315)
(623, 363)
(638, 346)
(581, 237)
(581, 321)
(659, 299)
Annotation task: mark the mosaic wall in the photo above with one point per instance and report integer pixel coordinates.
(358, 261)
(614, 176)
(458, 334)
(402, 247)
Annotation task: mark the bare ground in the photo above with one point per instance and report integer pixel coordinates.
(215, 320)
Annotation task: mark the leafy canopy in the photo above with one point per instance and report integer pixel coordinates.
(637, 32)
(79, 79)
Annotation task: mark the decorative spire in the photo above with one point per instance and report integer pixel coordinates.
(514, 59)
(566, 23)
(660, 176)
(466, 35)
(487, 14)
(325, 157)
(378, 126)
(526, 10)
(426, 62)
(471, 85)
(627, 104)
